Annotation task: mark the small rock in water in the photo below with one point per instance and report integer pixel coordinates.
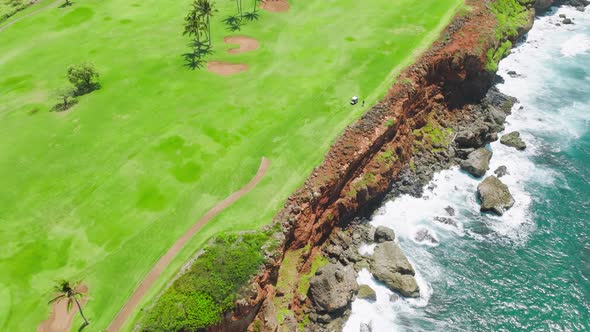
(562, 16)
(383, 234)
(567, 21)
(501, 171)
(424, 235)
(513, 139)
(512, 74)
(446, 221)
(494, 196)
(450, 211)
(366, 327)
(393, 297)
(477, 163)
(367, 293)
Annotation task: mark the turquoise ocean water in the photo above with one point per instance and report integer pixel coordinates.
(528, 270)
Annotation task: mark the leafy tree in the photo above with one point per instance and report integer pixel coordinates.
(83, 77)
(70, 292)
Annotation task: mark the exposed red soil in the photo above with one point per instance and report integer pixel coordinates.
(161, 265)
(245, 44)
(60, 319)
(226, 68)
(275, 6)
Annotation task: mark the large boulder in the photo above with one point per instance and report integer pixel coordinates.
(383, 234)
(390, 266)
(513, 139)
(477, 162)
(473, 137)
(332, 287)
(494, 195)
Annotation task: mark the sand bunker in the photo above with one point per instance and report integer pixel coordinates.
(275, 6)
(226, 68)
(60, 319)
(245, 44)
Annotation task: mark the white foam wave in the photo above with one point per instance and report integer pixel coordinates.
(578, 44)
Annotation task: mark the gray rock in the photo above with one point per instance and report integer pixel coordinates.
(513, 139)
(367, 293)
(390, 266)
(567, 21)
(383, 234)
(477, 163)
(494, 195)
(473, 137)
(332, 287)
(424, 235)
(366, 327)
(450, 211)
(512, 73)
(543, 4)
(562, 16)
(446, 221)
(501, 171)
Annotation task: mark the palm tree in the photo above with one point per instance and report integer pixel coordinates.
(69, 291)
(233, 23)
(205, 10)
(239, 6)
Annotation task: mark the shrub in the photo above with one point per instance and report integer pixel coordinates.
(199, 297)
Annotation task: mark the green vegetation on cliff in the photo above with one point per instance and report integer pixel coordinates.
(512, 16)
(198, 297)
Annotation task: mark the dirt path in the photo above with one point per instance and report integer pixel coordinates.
(60, 319)
(155, 272)
(7, 25)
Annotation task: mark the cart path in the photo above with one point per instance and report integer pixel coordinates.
(7, 25)
(155, 272)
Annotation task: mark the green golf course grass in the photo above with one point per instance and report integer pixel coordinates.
(100, 192)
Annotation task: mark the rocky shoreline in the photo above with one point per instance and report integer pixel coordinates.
(443, 113)
(475, 128)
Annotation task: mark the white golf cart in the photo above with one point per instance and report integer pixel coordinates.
(354, 100)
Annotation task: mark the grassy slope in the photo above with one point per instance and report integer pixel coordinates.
(100, 192)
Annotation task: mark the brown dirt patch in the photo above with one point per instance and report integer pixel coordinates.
(245, 44)
(226, 68)
(60, 319)
(275, 6)
(161, 265)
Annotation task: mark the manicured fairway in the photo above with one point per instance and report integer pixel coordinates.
(101, 192)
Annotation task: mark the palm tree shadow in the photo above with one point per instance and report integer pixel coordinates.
(66, 4)
(83, 326)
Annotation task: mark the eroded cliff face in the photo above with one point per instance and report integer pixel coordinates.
(371, 157)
